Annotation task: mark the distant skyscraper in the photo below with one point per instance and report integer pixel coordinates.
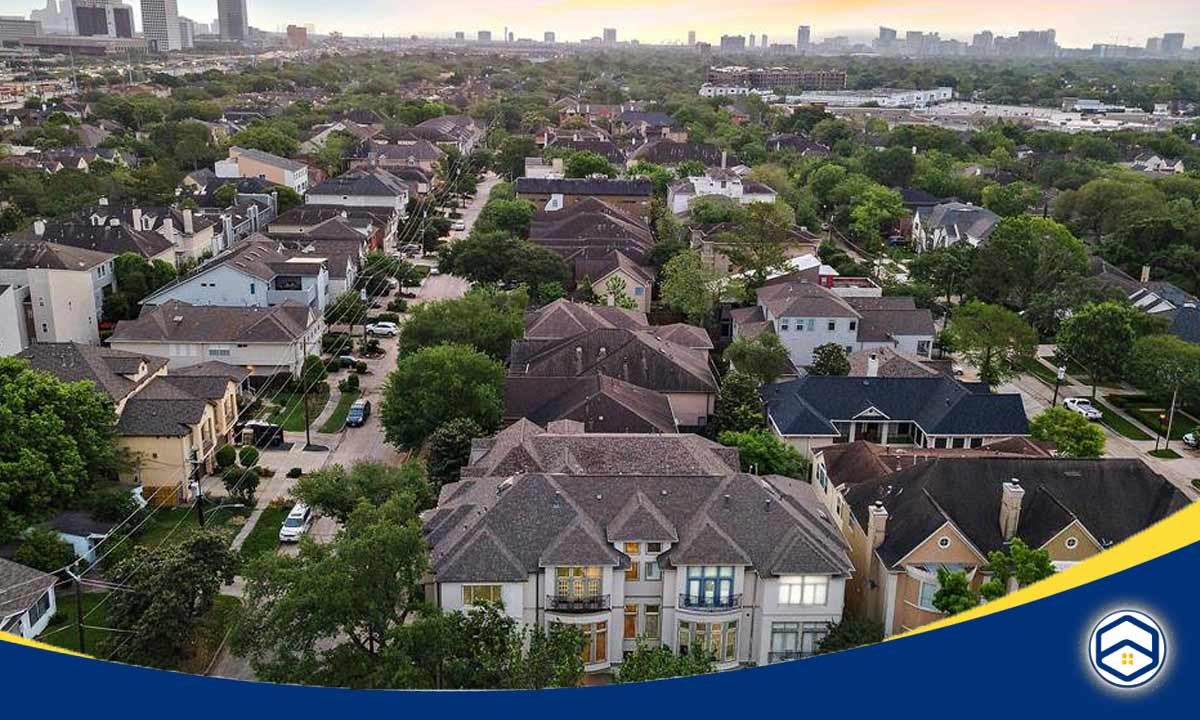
(460, 36)
(55, 19)
(160, 25)
(751, 41)
(610, 36)
(762, 43)
(484, 36)
(887, 38)
(187, 33)
(803, 37)
(509, 36)
(101, 18)
(234, 25)
(548, 37)
(733, 43)
(1172, 43)
(691, 37)
(983, 40)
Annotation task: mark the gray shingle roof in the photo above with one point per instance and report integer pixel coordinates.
(584, 186)
(965, 219)
(1185, 323)
(563, 319)
(268, 159)
(35, 253)
(603, 404)
(370, 182)
(175, 321)
(108, 238)
(804, 299)
(110, 370)
(20, 587)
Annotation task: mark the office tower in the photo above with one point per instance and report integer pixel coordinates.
(508, 36)
(983, 40)
(548, 37)
(733, 43)
(1172, 43)
(803, 37)
(16, 27)
(762, 43)
(610, 36)
(1154, 45)
(55, 19)
(460, 36)
(187, 33)
(887, 38)
(484, 36)
(160, 25)
(691, 38)
(101, 18)
(234, 25)
(751, 41)
(297, 36)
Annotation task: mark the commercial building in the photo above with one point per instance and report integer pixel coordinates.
(15, 28)
(231, 17)
(160, 25)
(610, 36)
(101, 18)
(776, 77)
(297, 36)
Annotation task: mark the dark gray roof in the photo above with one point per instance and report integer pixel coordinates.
(162, 409)
(939, 405)
(652, 118)
(1185, 323)
(28, 254)
(20, 587)
(370, 182)
(603, 404)
(80, 523)
(213, 368)
(591, 228)
(175, 321)
(668, 152)
(112, 371)
(973, 220)
(1113, 499)
(584, 186)
(108, 238)
(804, 299)
(268, 159)
(533, 520)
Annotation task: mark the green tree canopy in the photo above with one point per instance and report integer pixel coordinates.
(486, 320)
(437, 384)
(651, 661)
(1021, 563)
(1071, 433)
(450, 450)
(994, 340)
(763, 453)
(829, 359)
(1025, 256)
(765, 357)
(739, 407)
(1100, 337)
(687, 286)
(336, 491)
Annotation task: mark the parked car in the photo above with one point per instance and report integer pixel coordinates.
(359, 412)
(1192, 439)
(383, 329)
(458, 225)
(298, 522)
(349, 360)
(1084, 407)
(266, 435)
(434, 271)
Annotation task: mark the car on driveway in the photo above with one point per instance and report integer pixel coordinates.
(298, 522)
(359, 412)
(1084, 407)
(383, 329)
(1192, 439)
(349, 360)
(459, 226)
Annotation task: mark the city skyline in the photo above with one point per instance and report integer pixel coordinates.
(1104, 22)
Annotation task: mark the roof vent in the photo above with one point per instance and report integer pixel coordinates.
(177, 318)
(663, 493)
(599, 496)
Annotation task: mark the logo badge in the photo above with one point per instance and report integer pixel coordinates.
(1127, 648)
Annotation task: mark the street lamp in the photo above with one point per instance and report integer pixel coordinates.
(1058, 380)
(1162, 431)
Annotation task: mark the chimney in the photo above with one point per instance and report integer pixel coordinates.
(1145, 274)
(1010, 508)
(137, 219)
(39, 227)
(873, 365)
(189, 223)
(724, 158)
(603, 353)
(114, 222)
(578, 359)
(103, 202)
(877, 517)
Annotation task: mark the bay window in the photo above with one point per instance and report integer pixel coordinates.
(803, 589)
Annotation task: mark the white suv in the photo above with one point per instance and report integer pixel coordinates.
(297, 523)
(1084, 407)
(383, 329)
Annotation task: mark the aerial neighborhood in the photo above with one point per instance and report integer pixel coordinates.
(644, 360)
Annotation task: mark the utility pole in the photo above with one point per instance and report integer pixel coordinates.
(1171, 419)
(199, 502)
(78, 609)
(1058, 378)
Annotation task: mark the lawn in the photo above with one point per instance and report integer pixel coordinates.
(62, 632)
(180, 522)
(264, 538)
(337, 420)
(289, 412)
(211, 631)
(1079, 373)
(1039, 371)
(1147, 411)
(1120, 425)
(1165, 454)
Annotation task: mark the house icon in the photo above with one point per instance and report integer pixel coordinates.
(1127, 648)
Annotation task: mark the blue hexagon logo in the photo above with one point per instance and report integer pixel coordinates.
(1127, 648)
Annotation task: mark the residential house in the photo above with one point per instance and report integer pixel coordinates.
(653, 539)
(573, 141)
(263, 340)
(543, 169)
(631, 197)
(669, 153)
(192, 235)
(375, 225)
(799, 144)
(710, 242)
(1155, 164)
(951, 512)
(813, 411)
(637, 357)
(251, 163)
(462, 132)
(321, 134)
(255, 273)
(53, 293)
(1149, 296)
(717, 182)
(564, 319)
(367, 187)
(649, 125)
(81, 531)
(27, 601)
(113, 237)
(398, 148)
(950, 223)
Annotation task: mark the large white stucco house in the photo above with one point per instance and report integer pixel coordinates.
(54, 293)
(717, 182)
(652, 538)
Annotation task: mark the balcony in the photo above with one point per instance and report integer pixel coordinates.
(577, 603)
(716, 603)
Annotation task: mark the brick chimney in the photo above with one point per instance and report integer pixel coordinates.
(1010, 508)
(189, 223)
(877, 517)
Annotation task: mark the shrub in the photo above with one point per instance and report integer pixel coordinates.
(360, 367)
(226, 456)
(350, 384)
(370, 346)
(241, 483)
(391, 317)
(43, 550)
(335, 342)
(295, 473)
(111, 505)
(248, 456)
(399, 305)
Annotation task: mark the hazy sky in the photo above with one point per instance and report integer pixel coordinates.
(1078, 22)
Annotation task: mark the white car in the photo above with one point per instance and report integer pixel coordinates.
(459, 225)
(383, 329)
(1084, 407)
(1192, 439)
(298, 522)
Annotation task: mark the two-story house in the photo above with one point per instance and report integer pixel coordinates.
(55, 293)
(950, 223)
(193, 235)
(717, 182)
(657, 539)
(366, 187)
(251, 163)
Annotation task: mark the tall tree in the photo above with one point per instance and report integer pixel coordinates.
(763, 453)
(764, 357)
(739, 407)
(486, 320)
(760, 243)
(437, 384)
(688, 286)
(1070, 432)
(450, 450)
(1020, 563)
(1025, 256)
(948, 269)
(829, 359)
(995, 340)
(1100, 337)
(336, 491)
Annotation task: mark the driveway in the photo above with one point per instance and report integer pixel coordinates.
(442, 287)
(471, 212)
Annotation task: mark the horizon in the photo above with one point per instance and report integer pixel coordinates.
(1078, 23)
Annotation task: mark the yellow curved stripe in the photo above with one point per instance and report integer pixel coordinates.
(1178, 531)
(10, 638)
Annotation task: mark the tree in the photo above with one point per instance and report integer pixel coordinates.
(1025, 256)
(1071, 433)
(587, 163)
(874, 213)
(42, 549)
(510, 160)
(761, 241)
(56, 438)
(486, 320)
(437, 384)
(1168, 367)
(892, 168)
(851, 632)
(509, 216)
(656, 662)
(615, 293)
(829, 359)
(1011, 200)
(948, 269)
(449, 450)
(347, 308)
(241, 484)
(1021, 563)
(994, 340)
(687, 286)
(739, 407)
(954, 594)
(313, 374)
(170, 589)
(763, 453)
(336, 491)
(248, 455)
(1100, 337)
(329, 615)
(287, 197)
(271, 138)
(765, 358)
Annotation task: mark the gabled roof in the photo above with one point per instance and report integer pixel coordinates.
(37, 254)
(641, 520)
(603, 404)
(112, 371)
(1185, 323)
(371, 182)
(889, 363)
(563, 319)
(114, 239)
(21, 587)
(1113, 499)
(175, 321)
(267, 158)
(585, 186)
(597, 266)
(162, 409)
(214, 369)
(939, 405)
(669, 152)
(962, 218)
(804, 299)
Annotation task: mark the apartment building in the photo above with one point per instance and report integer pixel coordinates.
(250, 163)
(657, 539)
(55, 293)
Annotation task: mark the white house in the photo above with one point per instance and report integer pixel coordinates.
(951, 223)
(29, 603)
(59, 291)
(718, 182)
